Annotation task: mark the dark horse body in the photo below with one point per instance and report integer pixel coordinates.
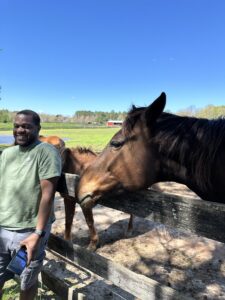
(154, 146)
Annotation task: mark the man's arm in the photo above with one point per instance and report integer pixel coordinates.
(48, 188)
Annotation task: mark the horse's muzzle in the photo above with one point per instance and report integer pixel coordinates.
(85, 200)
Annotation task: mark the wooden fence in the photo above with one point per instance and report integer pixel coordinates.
(194, 215)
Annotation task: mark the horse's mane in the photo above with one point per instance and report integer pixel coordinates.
(193, 142)
(132, 116)
(82, 150)
(78, 154)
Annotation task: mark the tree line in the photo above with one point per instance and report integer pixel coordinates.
(209, 112)
(80, 117)
(100, 117)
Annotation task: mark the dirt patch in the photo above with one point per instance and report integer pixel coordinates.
(188, 263)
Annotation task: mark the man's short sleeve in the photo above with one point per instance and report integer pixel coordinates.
(49, 162)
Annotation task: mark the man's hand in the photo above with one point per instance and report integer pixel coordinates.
(31, 244)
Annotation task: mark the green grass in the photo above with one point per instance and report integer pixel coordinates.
(45, 125)
(6, 126)
(11, 291)
(95, 138)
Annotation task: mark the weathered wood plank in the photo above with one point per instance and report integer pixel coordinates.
(197, 216)
(71, 282)
(138, 285)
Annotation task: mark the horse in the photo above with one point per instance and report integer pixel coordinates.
(54, 140)
(155, 146)
(74, 161)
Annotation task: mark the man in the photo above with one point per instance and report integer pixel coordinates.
(29, 173)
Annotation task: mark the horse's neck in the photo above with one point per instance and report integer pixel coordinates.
(82, 161)
(71, 162)
(170, 170)
(173, 160)
(192, 153)
(174, 170)
(172, 152)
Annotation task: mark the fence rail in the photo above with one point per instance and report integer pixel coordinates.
(140, 286)
(194, 215)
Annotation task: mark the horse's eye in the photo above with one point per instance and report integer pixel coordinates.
(116, 144)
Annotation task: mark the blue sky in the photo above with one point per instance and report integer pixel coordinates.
(60, 56)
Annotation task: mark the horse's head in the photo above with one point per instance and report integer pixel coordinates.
(128, 161)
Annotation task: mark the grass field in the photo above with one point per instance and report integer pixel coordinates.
(95, 138)
(54, 125)
(12, 290)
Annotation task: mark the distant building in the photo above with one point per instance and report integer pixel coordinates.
(114, 123)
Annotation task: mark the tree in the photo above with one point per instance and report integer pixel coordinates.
(5, 116)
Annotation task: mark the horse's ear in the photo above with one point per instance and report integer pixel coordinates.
(155, 109)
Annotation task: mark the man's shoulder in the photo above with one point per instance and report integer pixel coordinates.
(47, 149)
(9, 154)
(50, 161)
(10, 149)
(47, 146)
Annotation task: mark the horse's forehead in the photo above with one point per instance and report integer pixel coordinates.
(119, 134)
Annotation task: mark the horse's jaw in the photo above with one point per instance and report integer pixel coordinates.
(87, 200)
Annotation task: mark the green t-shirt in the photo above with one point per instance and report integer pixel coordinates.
(21, 169)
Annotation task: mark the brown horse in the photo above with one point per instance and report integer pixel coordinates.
(54, 140)
(154, 146)
(74, 161)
